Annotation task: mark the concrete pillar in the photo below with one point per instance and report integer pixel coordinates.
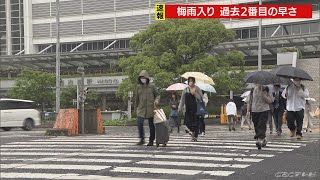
(28, 35)
(104, 102)
(8, 27)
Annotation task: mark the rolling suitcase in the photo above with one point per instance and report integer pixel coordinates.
(162, 134)
(162, 128)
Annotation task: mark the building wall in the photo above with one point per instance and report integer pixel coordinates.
(312, 66)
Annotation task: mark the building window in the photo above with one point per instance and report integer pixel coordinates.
(287, 30)
(90, 46)
(122, 44)
(270, 30)
(127, 43)
(296, 29)
(238, 34)
(254, 33)
(100, 45)
(305, 28)
(314, 27)
(245, 33)
(95, 46)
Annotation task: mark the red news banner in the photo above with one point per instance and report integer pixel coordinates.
(235, 11)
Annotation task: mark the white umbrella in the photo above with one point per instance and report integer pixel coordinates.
(199, 76)
(311, 99)
(245, 94)
(177, 87)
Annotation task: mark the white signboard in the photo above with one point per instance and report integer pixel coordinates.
(105, 80)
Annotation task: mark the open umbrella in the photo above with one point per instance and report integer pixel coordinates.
(293, 72)
(177, 87)
(206, 87)
(262, 77)
(286, 81)
(245, 94)
(199, 76)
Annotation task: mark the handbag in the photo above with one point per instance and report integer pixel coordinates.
(159, 116)
(317, 113)
(201, 110)
(174, 113)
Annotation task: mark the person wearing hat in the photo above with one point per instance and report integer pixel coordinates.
(279, 105)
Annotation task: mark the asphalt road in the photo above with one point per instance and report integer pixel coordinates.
(219, 155)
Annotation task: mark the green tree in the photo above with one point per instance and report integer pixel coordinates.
(170, 48)
(70, 93)
(34, 85)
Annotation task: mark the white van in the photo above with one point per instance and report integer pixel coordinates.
(18, 113)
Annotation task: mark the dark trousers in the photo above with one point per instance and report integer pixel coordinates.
(194, 130)
(295, 117)
(202, 125)
(277, 116)
(140, 123)
(260, 124)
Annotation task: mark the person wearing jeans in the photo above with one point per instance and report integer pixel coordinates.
(295, 95)
(146, 98)
(259, 102)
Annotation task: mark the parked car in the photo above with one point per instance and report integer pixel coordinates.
(18, 113)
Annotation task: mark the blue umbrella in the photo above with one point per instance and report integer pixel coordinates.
(205, 87)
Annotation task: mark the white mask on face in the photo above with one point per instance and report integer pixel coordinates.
(143, 81)
(191, 83)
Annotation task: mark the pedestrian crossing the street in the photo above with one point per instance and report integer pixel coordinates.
(118, 157)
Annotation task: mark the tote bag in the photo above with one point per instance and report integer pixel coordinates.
(201, 110)
(159, 116)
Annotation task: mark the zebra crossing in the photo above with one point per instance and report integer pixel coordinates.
(117, 157)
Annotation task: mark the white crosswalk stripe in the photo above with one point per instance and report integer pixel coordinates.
(104, 157)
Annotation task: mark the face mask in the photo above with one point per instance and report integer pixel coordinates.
(143, 81)
(191, 83)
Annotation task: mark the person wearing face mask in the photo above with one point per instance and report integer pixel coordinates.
(146, 98)
(295, 95)
(188, 103)
(259, 105)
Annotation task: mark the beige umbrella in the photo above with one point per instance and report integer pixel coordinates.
(199, 76)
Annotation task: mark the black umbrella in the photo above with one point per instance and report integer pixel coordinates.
(262, 77)
(282, 79)
(293, 72)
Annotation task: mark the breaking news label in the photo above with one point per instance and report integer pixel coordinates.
(163, 11)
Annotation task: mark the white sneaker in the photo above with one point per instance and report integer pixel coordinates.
(202, 134)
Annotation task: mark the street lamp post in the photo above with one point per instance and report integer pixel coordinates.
(82, 97)
(259, 39)
(57, 57)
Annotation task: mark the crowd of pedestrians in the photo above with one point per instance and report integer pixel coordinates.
(262, 106)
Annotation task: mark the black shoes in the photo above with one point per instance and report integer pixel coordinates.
(150, 144)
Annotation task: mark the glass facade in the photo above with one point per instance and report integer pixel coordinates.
(87, 46)
(3, 23)
(17, 26)
(285, 30)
